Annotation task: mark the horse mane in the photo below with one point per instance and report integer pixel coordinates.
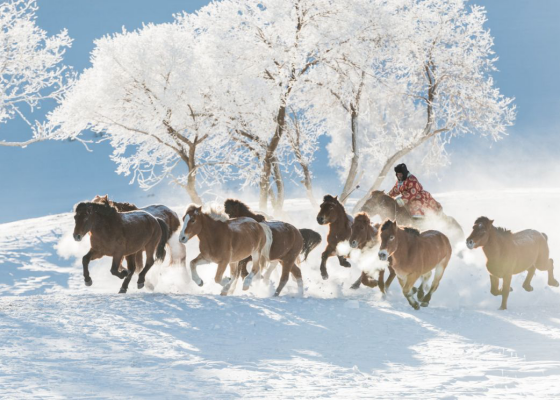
(244, 209)
(123, 207)
(101, 208)
(215, 212)
(412, 231)
(387, 224)
(330, 199)
(363, 216)
(486, 220)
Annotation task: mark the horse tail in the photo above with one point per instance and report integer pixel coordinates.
(265, 251)
(311, 239)
(160, 252)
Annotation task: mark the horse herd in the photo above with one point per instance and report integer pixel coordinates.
(411, 249)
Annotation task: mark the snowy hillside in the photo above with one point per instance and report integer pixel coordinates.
(60, 339)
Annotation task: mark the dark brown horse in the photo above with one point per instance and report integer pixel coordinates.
(159, 211)
(119, 235)
(287, 244)
(332, 212)
(510, 253)
(365, 237)
(226, 242)
(386, 207)
(415, 255)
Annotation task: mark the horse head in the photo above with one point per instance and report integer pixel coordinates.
(330, 210)
(362, 231)
(480, 233)
(192, 223)
(389, 241)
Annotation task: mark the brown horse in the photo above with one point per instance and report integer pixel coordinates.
(226, 241)
(169, 216)
(365, 237)
(415, 255)
(236, 208)
(119, 235)
(287, 244)
(510, 253)
(332, 212)
(380, 203)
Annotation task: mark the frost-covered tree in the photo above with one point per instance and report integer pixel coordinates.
(271, 45)
(150, 95)
(441, 65)
(31, 68)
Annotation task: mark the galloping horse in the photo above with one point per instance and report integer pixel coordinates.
(332, 212)
(287, 244)
(226, 241)
(119, 235)
(365, 237)
(510, 253)
(159, 211)
(415, 255)
(386, 207)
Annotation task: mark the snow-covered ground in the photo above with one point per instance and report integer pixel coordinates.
(60, 339)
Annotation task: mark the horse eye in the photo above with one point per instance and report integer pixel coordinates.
(391, 238)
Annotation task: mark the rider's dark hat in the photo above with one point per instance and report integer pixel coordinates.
(402, 169)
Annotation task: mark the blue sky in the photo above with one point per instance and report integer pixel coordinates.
(49, 178)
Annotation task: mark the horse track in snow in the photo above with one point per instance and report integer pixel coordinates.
(60, 339)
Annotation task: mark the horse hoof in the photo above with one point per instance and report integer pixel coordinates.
(553, 283)
(346, 264)
(200, 283)
(223, 293)
(355, 286)
(122, 291)
(88, 282)
(140, 285)
(325, 276)
(502, 308)
(276, 294)
(415, 306)
(528, 288)
(424, 304)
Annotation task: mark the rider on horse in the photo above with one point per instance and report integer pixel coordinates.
(409, 192)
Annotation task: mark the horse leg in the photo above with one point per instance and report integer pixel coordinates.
(494, 286)
(257, 265)
(368, 281)
(131, 266)
(527, 284)
(358, 283)
(389, 280)
(149, 262)
(269, 271)
(407, 286)
(438, 274)
(117, 260)
(424, 286)
(286, 267)
(505, 290)
(91, 255)
(296, 274)
(551, 280)
(242, 267)
(344, 262)
(194, 274)
(220, 280)
(324, 257)
(234, 270)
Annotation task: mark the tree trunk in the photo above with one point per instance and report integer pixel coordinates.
(351, 178)
(278, 205)
(191, 178)
(308, 185)
(264, 183)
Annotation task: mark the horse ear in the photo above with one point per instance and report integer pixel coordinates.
(336, 197)
(106, 197)
(197, 210)
(491, 222)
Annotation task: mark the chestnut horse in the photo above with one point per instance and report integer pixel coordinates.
(365, 237)
(510, 253)
(236, 208)
(386, 207)
(159, 211)
(287, 244)
(119, 235)
(415, 255)
(226, 241)
(332, 212)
